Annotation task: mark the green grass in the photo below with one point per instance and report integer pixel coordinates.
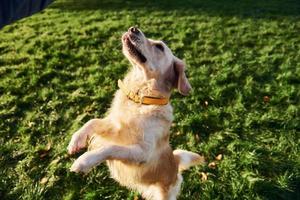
(59, 69)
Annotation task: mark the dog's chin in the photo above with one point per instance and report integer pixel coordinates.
(132, 52)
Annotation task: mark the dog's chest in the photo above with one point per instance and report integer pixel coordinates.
(153, 131)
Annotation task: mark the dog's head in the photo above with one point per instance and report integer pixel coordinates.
(155, 60)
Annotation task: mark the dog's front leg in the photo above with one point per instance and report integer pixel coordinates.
(133, 153)
(79, 138)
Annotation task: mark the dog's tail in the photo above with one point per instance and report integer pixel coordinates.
(187, 159)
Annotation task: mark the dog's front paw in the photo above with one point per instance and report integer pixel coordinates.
(79, 166)
(77, 142)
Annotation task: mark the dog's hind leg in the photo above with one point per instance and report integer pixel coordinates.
(155, 192)
(175, 189)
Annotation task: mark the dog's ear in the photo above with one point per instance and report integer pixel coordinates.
(181, 81)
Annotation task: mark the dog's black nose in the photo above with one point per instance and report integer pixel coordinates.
(134, 30)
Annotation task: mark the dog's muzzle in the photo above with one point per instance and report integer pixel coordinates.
(131, 42)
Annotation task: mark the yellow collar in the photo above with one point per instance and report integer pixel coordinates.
(147, 100)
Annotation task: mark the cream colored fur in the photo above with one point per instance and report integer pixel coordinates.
(134, 138)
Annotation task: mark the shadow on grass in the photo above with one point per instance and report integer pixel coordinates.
(247, 8)
(270, 191)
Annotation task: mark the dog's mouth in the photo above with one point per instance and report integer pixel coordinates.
(132, 49)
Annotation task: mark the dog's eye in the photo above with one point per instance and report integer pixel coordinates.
(160, 47)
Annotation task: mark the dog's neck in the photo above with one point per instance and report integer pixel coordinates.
(136, 82)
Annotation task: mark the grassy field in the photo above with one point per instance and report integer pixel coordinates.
(59, 69)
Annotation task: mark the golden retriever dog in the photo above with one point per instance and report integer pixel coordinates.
(134, 137)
